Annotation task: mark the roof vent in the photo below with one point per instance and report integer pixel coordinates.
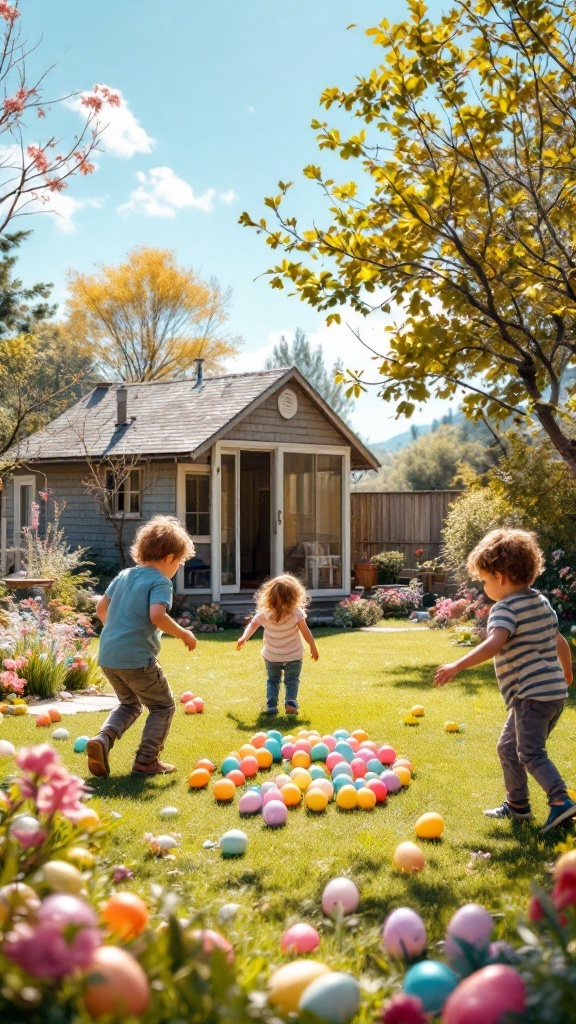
(199, 374)
(121, 405)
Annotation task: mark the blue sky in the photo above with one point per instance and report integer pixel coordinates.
(218, 98)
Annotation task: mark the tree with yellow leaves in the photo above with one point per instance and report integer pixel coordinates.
(148, 318)
(462, 224)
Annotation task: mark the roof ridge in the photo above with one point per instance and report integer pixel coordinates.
(189, 380)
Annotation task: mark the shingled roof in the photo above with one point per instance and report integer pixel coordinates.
(164, 418)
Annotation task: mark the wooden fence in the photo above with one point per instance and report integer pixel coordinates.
(398, 521)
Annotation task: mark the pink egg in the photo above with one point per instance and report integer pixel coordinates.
(250, 802)
(358, 767)
(275, 813)
(237, 777)
(404, 934)
(333, 759)
(270, 796)
(486, 996)
(190, 707)
(288, 751)
(340, 896)
(379, 789)
(365, 755)
(330, 742)
(471, 925)
(269, 787)
(352, 742)
(282, 780)
(386, 755)
(300, 938)
(303, 745)
(249, 766)
(211, 940)
(199, 704)
(186, 696)
(369, 745)
(259, 739)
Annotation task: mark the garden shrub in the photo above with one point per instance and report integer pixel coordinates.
(354, 612)
(204, 618)
(399, 603)
(50, 557)
(390, 565)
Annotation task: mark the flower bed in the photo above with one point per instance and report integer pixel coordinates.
(465, 614)
(203, 618)
(354, 612)
(399, 603)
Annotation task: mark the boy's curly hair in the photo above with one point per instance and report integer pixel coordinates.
(278, 597)
(515, 553)
(160, 537)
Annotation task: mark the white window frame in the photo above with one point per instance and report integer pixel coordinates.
(183, 469)
(19, 482)
(126, 515)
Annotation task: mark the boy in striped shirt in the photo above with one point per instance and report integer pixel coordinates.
(533, 667)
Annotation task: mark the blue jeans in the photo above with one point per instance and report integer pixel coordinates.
(292, 671)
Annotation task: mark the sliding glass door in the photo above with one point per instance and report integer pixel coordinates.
(229, 522)
(313, 501)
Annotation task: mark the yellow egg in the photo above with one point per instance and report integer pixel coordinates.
(62, 877)
(19, 709)
(315, 799)
(287, 984)
(360, 735)
(366, 799)
(80, 857)
(247, 750)
(411, 720)
(264, 757)
(300, 759)
(347, 798)
(87, 819)
(417, 711)
(403, 774)
(450, 726)
(429, 825)
(408, 858)
(405, 762)
(301, 778)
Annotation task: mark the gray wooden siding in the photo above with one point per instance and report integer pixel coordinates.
(308, 426)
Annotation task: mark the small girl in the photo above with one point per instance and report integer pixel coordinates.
(281, 604)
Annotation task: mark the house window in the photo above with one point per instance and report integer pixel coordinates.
(198, 504)
(125, 493)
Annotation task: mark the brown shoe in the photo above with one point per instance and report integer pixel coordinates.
(155, 767)
(97, 750)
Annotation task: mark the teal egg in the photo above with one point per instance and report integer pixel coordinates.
(431, 982)
(342, 769)
(273, 745)
(319, 752)
(371, 775)
(333, 998)
(374, 765)
(255, 788)
(234, 843)
(317, 772)
(345, 750)
(359, 783)
(339, 781)
(275, 734)
(228, 765)
(80, 744)
(340, 734)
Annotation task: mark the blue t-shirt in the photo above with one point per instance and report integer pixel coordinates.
(129, 639)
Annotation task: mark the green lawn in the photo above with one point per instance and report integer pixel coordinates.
(362, 680)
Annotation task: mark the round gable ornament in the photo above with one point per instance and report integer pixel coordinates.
(287, 404)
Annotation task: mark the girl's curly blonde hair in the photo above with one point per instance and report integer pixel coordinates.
(278, 597)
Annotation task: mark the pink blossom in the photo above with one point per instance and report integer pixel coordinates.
(121, 873)
(8, 12)
(61, 794)
(29, 840)
(47, 950)
(92, 101)
(39, 760)
(564, 572)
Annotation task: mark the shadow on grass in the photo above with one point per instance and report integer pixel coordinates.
(421, 677)
(263, 722)
(133, 786)
(521, 847)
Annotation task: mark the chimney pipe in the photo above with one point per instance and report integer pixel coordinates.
(121, 405)
(199, 374)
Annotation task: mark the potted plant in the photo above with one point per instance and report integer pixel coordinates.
(366, 572)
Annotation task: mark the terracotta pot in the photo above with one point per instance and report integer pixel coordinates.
(366, 574)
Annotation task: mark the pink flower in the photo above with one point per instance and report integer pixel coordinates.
(121, 873)
(9, 664)
(404, 1009)
(49, 951)
(564, 572)
(29, 840)
(61, 794)
(39, 760)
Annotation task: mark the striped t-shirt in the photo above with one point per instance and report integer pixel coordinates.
(282, 640)
(527, 666)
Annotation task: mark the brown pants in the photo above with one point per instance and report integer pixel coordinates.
(135, 687)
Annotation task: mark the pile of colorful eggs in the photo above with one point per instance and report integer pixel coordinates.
(192, 705)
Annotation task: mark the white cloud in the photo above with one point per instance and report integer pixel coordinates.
(62, 206)
(121, 132)
(160, 193)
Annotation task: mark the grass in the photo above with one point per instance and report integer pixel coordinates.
(362, 680)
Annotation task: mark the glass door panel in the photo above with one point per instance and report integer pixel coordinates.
(197, 570)
(228, 521)
(313, 519)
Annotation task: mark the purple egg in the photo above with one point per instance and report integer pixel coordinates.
(366, 755)
(269, 787)
(271, 795)
(471, 925)
(288, 751)
(391, 781)
(404, 934)
(250, 802)
(275, 813)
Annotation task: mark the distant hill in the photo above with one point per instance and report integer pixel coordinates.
(475, 432)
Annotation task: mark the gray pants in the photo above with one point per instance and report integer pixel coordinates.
(522, 748)
(135, 687)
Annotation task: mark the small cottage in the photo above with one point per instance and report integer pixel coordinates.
(256, 465)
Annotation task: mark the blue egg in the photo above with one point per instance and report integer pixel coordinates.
(340, 734)
(345, 750)
(228, 765)
(333, 998)
(233, 843)
(255, 787)
(359, 783)
(374, 765)
(274, 747)
(342, 769)
(319, 752)
(339, 781)
(431, 982)
(371, 775)
(80, 744)
(317, 771)
(275, 734)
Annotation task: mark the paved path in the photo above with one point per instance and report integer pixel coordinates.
(388, 629)
(78, 705)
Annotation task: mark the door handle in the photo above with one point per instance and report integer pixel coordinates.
(279, 516)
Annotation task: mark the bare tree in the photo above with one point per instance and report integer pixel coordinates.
(112, 485)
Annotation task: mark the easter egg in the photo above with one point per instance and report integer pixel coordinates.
(237, 777)
(403, 774)
(470, 926)
(566, 861)
(369, 745)
(54, 714)
(341, 734)
(486, 997)
(315, 799)
(330, 742)
(126, 915)
(190, 707)
(198, 704)
(247, 750)
(379, 789)
(275, 813)
(274, 747)
(431, 982)
(22, 709)
(386, 755)
(275, 734)
(317, 772)
(16, 896)
(359, 735)
(24, 823)
(429, 826)
(80, 744)
(300, 938)
(417, 711)
(340, 896)
(342, 769)
(229, 764)
(259, 739)
(404, 762)
(288, 751)
(359, 784)
(319, 752)
(325, 786)
(250, 803)
(371, 775)
(199, 778)
(169, 812)
(408, 858)
(209, 941)
(353, 744)
(166, 842)
(282, 780)
(358, 767)
(80, 857)
(347, 798)
(87, 819)
(206, 764)
(234, 843)
(333, 998)
(301, 778)
(269, 787)
(7, 749)
(42, 720)
(186, 696)
(116, 985)
(345, 750)
(304, 745)
(340, 781)
(62, 877)
(248, 767)
(367, 755)
(374, 765)
(287, 984)
(404, 934)
(333, 759)
(450, 727)
(291, 794)
(271, 794)
(391, 780)
(60, 734)
(223, 790)
(300, 759)
(366, 799)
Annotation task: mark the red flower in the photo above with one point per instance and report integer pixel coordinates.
(535, 911)
(564, 892)
(403, 1009)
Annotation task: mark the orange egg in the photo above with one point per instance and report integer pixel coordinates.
(360, 735)
(205, 763)
(190, 707)
(4, 708)
(223, 790)
(264, 757)
(259, 739)
(291, 794)
(403, 774)
(237, 777)
(301, 759)
(405, 762)
(43, 720)
(199, 778)
(54, 715)
(126, 915)
(87, 819)
(247, 750)
(116, 985)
